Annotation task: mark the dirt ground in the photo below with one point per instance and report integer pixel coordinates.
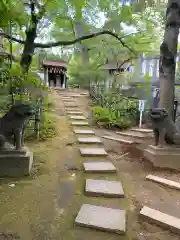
(44, 205)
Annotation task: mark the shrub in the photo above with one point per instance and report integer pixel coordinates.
(116, 111)
(48, 127)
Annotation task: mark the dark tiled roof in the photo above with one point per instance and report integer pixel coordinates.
(55, 63)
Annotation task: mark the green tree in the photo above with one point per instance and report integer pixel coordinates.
(46, 11)
(168, 50)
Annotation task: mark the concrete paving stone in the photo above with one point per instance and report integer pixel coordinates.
(90, 152)
(162, 219)
(83, 131)
(99, 166)
(102, 218)
(75, 112)
(106, 188)
(163, 181)
(89, 140)
(79, 123)
(77, 117)
(121, 140)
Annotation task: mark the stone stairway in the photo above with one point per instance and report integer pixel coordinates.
(132, 136)
(106, 218)
(92, 216)
(157, 217)
(135, 134)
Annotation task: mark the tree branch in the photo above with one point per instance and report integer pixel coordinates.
(88, 36)
(125, 61)
(71, 42)
(7, 36)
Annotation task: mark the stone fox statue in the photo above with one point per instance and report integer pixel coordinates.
(12, 124)
(163, 127)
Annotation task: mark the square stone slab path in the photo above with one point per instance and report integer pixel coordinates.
(99, 167)
(77, 117)
(79, 123)
(104, 188)
(89, 140)
(102, 218)
(93, 152)
(83, 131)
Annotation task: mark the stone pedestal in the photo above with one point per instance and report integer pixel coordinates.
(15, 163)
(165, 157)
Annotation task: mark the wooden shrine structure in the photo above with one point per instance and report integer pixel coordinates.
(55, 73)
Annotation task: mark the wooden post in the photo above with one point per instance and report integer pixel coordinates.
(38, 118)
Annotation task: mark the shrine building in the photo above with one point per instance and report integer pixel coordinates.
(55, 73)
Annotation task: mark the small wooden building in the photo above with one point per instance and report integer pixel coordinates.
(55, 73)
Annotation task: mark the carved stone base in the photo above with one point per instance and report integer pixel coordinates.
(165, 157)
(15, 163)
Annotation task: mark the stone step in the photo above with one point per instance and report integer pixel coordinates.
(93, 152)
(75, 112)
(70, 105)
(77, 117)
(67, 99)
(163, 181)
(83, 131)
(133, 134)
(79, 123)
(104, 188)
(102, 218)
(89, 140)
(76, 95)
(142, 130)
(64, 98)
(72, 109)
(121, 140)
(99, 167)
(163, 220)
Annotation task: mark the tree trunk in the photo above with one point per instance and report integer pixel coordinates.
(28, 50)
(168, 53)
(83, 47)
